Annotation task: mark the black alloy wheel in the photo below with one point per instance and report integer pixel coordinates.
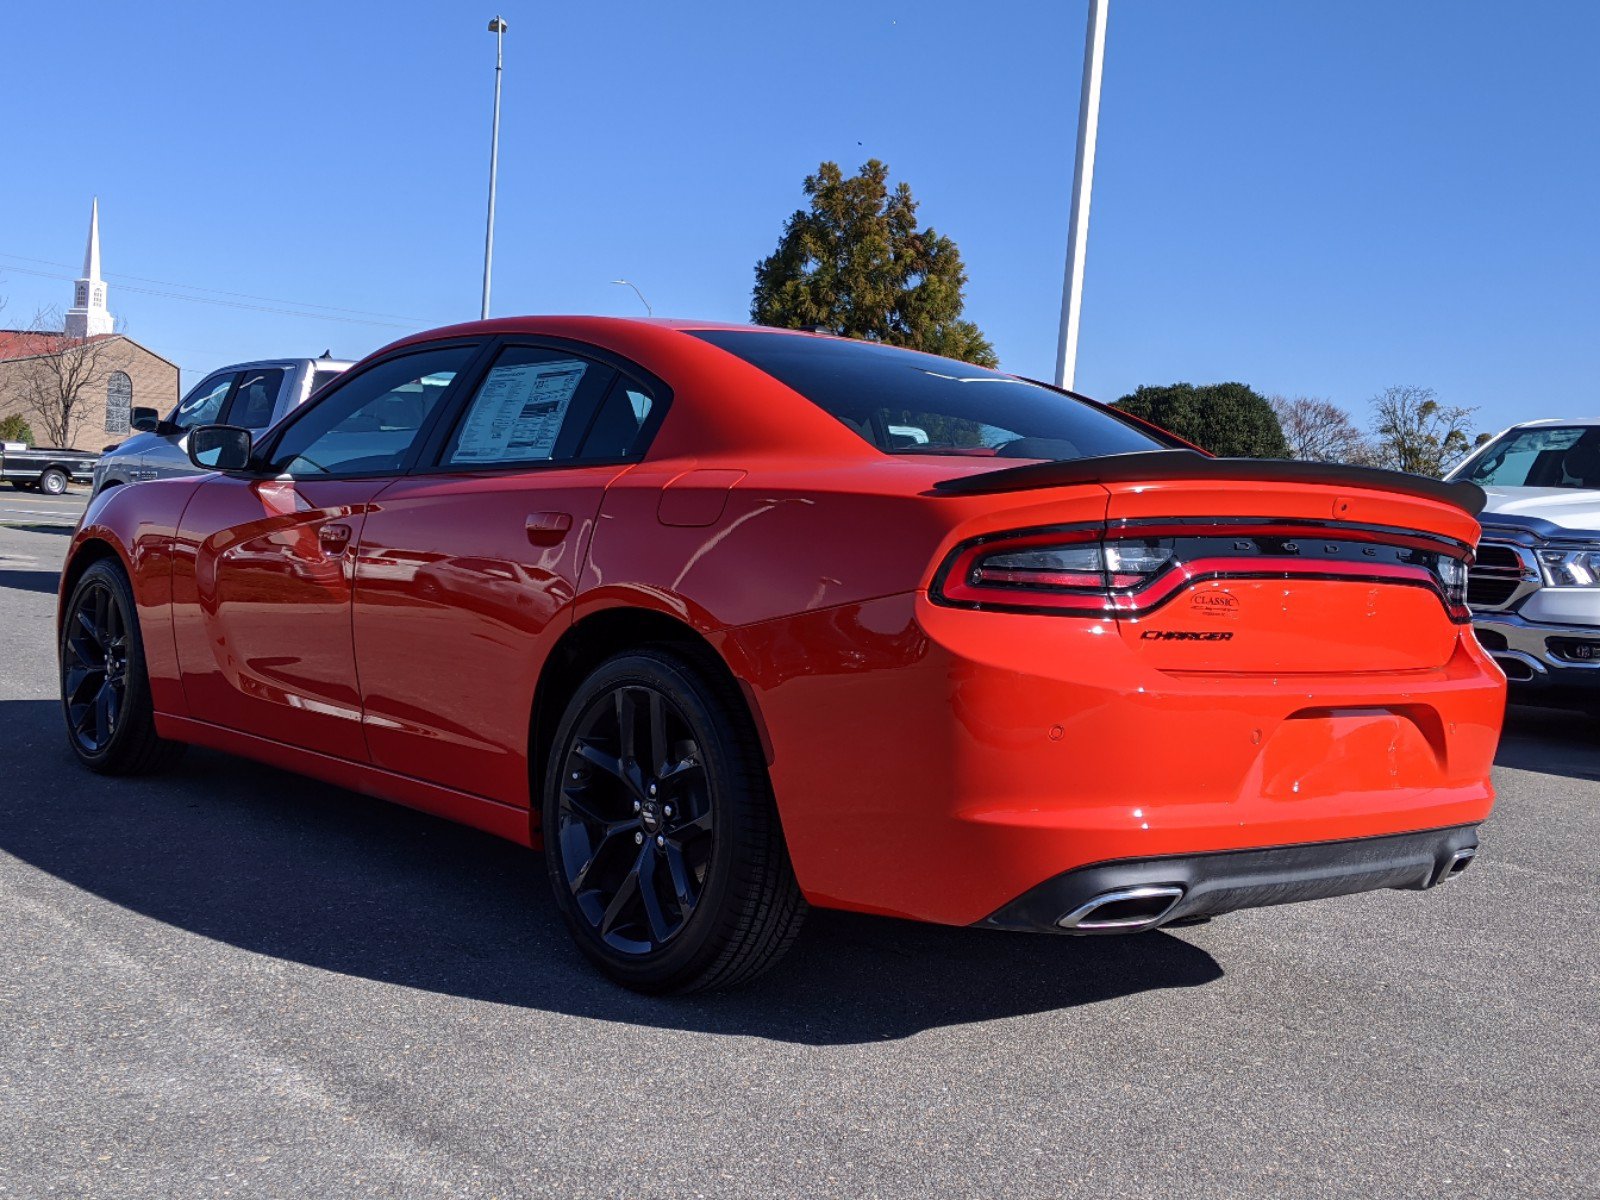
(635, 819)
(94, 666)
(662, 840)
(105, 693)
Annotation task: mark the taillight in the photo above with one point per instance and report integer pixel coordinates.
(1089, 571)
(1059, 570)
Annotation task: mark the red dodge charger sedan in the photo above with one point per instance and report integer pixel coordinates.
(735, 620)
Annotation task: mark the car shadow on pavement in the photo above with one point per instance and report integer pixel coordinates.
(1553, 741)
(61, 527)
(279, 865)
(31, 581)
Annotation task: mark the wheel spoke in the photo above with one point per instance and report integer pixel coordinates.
(608, 763)
(660, 750)
(626, 893)
(580, 881)
(652, 902)
(678, 870)
(102, 713)
(627, 729)
(688, 764)
(691, 829)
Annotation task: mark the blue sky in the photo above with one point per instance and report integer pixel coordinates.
(1314, 198)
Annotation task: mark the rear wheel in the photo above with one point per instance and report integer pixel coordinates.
(53, 482)
(105, 692)
(662, 841)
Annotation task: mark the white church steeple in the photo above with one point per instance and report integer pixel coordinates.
(88, 316)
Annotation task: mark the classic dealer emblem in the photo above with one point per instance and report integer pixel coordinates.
(1215, 604)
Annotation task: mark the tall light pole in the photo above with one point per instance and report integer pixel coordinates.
(630, 283)
(498, 28)
(1094, 57)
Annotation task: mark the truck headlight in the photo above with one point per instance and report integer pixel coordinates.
(1570, 568)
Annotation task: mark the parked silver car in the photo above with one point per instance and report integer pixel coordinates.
(254, 395)
(1534, 589)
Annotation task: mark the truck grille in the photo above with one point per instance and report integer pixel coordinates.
(1496, 577)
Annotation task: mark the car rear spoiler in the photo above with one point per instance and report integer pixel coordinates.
(1151, 465)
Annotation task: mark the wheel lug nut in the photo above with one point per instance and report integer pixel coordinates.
(635, 806)
(667, 810)
(660, 841)
(638, 839)
(652, 789)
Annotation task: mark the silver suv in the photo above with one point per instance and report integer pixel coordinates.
(254, 395)
(1534, 589)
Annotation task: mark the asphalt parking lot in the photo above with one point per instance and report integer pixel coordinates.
(232, 982)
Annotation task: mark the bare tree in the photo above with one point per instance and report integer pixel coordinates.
(1318, 430)
(59, 378)
(1418, 434)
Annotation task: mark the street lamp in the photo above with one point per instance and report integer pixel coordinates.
(1094, 57)
(498, 28)
(629, 283)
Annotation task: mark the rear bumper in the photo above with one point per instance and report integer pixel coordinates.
(1140, 894)
(936, 763)
(1526, 651)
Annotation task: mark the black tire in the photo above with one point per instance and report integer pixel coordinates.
(726, 903)
(105, 690)
(53, 483)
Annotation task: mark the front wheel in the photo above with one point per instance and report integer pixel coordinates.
(105, 691)
(53, 483)
(662, 841)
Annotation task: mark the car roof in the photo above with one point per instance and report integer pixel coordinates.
(1556, 421)
(324, 364)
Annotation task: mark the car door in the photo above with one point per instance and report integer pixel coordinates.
(262, 581)
(467, 566)
(166, 454)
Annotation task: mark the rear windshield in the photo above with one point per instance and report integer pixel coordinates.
(1551, 456)
(904, 402)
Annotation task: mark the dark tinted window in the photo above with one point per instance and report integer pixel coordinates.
(904, 402)
(616, 428)
(531, 407)
(368, 425)
(321, 378)
(257, 396)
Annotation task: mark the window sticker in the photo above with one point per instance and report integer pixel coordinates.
(518, 412)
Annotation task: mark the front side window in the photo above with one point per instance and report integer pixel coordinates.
(532, 407)
(256, 398)
(119, 402)
(1552, 456)
(371, 424)
(906, 402)
(203, 405)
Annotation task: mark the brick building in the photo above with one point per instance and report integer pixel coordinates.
(106, 372)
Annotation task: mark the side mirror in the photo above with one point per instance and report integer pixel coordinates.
(219, 447)
(144, 420)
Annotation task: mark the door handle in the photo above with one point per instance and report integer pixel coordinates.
(548, 528)
(334, 538)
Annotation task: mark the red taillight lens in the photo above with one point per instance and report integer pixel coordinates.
(1062, 570)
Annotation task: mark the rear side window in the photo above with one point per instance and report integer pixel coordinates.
(533, 406)
(905, 402)
(617, 426)
(321, 379)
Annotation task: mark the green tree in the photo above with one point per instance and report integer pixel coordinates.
(855, 263)
(1228, 419)
(14, 428)
(1416, 433)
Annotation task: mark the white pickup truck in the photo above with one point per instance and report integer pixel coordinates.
(1534, 590)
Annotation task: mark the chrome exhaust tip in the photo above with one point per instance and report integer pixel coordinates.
(1459, 862)
(1125, 910)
